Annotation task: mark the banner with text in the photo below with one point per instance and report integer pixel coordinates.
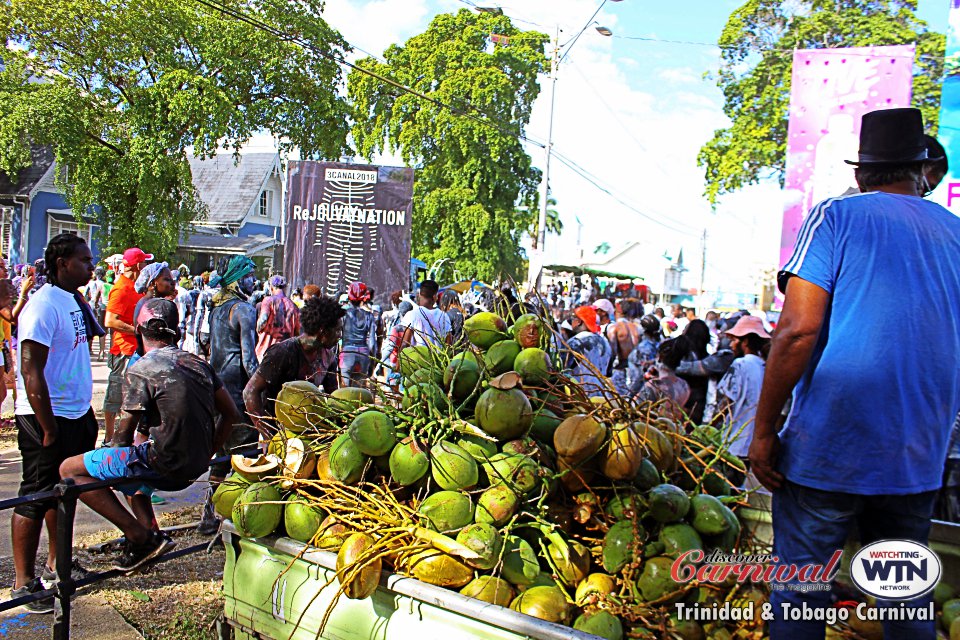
(347, 222)
(948, 193)
(831, 90)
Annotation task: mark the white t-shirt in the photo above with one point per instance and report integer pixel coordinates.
(53, 318)
(430, 326)
(742, 384)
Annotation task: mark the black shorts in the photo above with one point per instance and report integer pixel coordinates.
(41, 465)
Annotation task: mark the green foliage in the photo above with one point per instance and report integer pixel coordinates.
(531, 215)
(755, 75)
(470, 175)
(123, 90)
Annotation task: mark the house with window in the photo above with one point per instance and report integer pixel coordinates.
(33, 210)
(244, 198)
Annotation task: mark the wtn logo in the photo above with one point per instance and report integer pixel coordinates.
(903, 570)
(895, 569)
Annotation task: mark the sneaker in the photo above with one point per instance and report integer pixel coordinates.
(137, 555)
(49, 577)
(37, 606)
(155, 499)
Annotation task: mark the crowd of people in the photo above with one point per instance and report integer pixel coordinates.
(196, 361)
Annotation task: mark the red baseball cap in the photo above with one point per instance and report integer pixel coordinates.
(134, 256)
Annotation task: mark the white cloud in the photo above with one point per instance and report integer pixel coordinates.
(638, 131)
(375, 25)
(681, 75)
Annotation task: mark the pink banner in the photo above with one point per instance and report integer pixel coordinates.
(831, 90)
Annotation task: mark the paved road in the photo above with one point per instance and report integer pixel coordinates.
(87, 522)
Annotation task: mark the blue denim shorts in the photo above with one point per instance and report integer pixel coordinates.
(116, 463)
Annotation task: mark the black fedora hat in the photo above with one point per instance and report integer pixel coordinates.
(892, 136)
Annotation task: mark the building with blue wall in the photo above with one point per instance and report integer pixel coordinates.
(33, 210)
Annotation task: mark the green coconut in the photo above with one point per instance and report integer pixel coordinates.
(423, 394)
(656, 580)
(484, 540)
(452, 467)
(480, 448)
(299, 405)
(490, 589)
(373, 432)
(668, 503)
(545, 423)
(346, 460)
(461, 377)
(520, 564)
(302, 519)
(530, 331)
(497, 505)
(504, 414)
(600, 623)
(708, 516)
(485, 329)
(447, 511)
(534, 367)
(413, 359)
(499, 358)
(546, 603)
(227, 493)
(519, 472)
(257, 511)
(408, 462)
(349, 399)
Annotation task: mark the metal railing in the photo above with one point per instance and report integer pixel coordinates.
(66, 494)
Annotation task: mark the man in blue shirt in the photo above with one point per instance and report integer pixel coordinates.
(868, 431)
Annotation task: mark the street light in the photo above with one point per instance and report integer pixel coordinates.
(537, 258)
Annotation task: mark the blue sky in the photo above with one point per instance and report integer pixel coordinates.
(634, 112)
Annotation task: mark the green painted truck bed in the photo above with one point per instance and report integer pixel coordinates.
(270, 594)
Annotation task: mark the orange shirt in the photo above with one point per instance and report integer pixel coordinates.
(123, 299)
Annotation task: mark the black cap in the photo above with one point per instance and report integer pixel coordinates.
(892, 136)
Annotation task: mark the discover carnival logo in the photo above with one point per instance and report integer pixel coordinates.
(895, 569)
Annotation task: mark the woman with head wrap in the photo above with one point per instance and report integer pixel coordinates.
(278, 318)
(155, 281)
(233, 339)
(359, 337)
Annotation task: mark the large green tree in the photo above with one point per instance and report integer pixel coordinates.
(123, 90)
(480, 73)
(755, 75)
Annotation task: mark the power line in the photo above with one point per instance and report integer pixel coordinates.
(485, 120)
(586, 175)
(263, 26)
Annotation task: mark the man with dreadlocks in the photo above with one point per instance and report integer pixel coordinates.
(233, 340)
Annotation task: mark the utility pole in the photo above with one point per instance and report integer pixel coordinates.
(703, 269)
(537, 256)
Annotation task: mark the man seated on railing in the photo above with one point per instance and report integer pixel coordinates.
(177, 395)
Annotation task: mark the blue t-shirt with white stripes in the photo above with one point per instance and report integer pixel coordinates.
(872, 413)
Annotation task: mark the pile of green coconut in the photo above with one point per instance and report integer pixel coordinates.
(499, 477)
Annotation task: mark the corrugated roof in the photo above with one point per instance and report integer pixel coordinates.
(244, 245)
(41, 159)
(228, 189)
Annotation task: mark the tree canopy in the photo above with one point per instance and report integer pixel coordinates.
(755, 75)
(124, 90)
(480, 75)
